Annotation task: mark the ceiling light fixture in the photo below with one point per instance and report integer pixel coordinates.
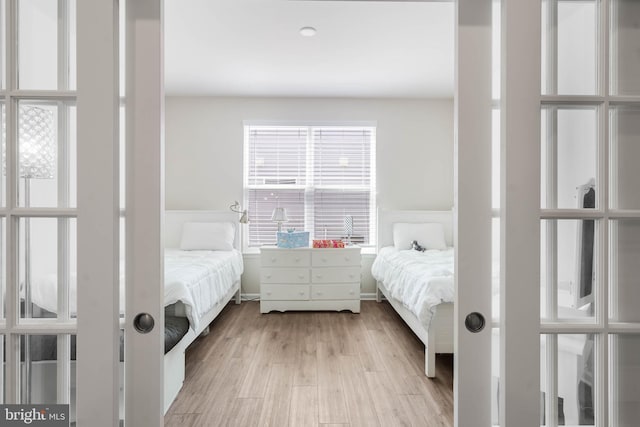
(308, 31)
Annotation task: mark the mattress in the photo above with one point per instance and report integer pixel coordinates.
(419, 280)
(197, 279)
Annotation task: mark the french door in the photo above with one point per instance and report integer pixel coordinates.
(568, 218)
(590, 212)
(69, 298)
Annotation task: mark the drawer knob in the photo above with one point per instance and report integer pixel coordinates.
(319, 276)
(324, 260)
(300, 276)
(297, 259)
(351, 276)
(347, 258)
(268, 276)
(351, 292)
(273, 260)
(268, 293)
(301, 293)
(318, 293)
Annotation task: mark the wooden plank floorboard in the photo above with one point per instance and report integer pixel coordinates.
(367, 350)
(304, 406)
(348, 333)
(385, 401)
(277, 400)
(222, 394)
(183, 420)
(420, 411)
(322, 369)
(306, 370)
(243, 413)
(256, 381)
(196, 393)
(331, 398)
(395, 362)
(360, 405)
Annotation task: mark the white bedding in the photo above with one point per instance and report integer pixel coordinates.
(420, 280)
(198, 279)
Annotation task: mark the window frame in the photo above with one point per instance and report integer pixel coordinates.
(309, 186)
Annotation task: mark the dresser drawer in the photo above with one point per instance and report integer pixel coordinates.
(335, 275)
(284, 275)
(335, 292)
(285, 258)
(336, 257)
(284, 292)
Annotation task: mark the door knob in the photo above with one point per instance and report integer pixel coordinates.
(143, 323)
(474, 322)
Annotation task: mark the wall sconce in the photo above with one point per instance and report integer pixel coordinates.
(244, 216)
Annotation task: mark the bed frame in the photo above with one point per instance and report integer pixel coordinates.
(439, 337)
(174, 360)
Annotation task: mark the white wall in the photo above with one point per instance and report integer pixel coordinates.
(204, 143)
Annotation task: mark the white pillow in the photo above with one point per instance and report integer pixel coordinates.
(216, 236)
(428, 235)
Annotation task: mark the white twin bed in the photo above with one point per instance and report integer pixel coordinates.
(211, 279)
(419, 285)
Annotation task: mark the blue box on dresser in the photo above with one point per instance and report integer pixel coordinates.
(292, 239)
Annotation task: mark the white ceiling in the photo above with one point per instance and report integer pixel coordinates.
(361, 49)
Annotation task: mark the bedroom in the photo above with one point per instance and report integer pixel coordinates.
(406, 167)
(400, 80)
(204, 132)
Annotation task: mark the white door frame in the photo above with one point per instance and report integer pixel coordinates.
(519, 329)
(520, 214)
(144, 353)
(99, 322)
(473, 215)
(98, 340)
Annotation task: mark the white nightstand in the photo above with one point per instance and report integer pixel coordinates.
(309, 279)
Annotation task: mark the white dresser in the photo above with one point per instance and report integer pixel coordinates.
(309, 279)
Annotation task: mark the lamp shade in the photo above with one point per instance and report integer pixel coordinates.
(36, 142)
(279, 215)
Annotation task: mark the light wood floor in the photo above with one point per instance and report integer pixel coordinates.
(311, 369)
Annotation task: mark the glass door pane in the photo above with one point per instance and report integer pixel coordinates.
(569, 47)
(47, 260)
(624, 269)
(624, 377)
(625, 151)
(3, 52)
(46, 154)
(625, 43)
(569, 156)
(569, 269)
(568, 379)
(46, 57)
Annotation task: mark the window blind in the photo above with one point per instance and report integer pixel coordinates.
(319, 174)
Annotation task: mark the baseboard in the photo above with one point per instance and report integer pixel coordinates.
(250, 297)
(365, 296)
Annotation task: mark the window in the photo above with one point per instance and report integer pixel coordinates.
(319, 174)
